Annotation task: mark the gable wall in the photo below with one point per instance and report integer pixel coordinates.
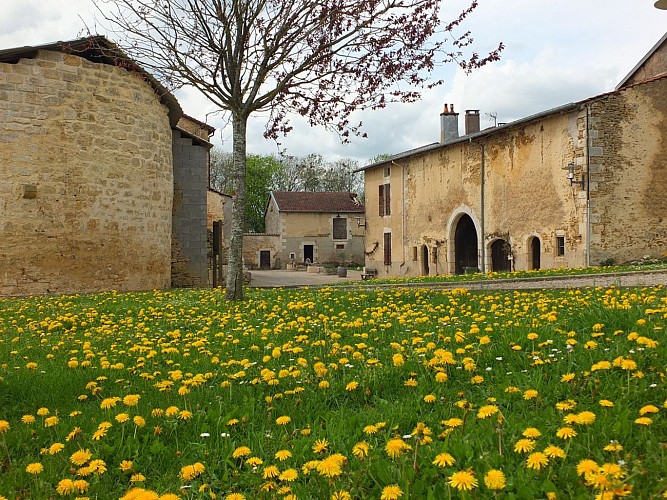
(87, 186)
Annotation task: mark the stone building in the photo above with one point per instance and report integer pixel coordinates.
(573, 186)
(97, 165)
(307, 227)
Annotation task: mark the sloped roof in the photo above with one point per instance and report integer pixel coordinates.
(98, 49)
(642, 61)
(298, 201)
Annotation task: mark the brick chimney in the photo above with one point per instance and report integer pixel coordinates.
(449, 124)
(472, 121)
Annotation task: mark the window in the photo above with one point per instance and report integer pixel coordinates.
(560, 246)
(434, 253)
(414, 254)
(387, 171)
(340, 246)
(339, 228)
(385, 199)
(387, 249)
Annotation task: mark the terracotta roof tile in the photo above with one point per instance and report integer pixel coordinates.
(297, 201)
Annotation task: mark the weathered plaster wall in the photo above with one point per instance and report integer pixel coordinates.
(87, 186)
(629, 173)
(317, 229)
(526, 194)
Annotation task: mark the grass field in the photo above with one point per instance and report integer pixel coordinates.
(309, 394)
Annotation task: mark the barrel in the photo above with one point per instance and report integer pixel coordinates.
(342, 271)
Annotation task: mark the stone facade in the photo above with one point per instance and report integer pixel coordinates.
(501, 199)
(262, 250)
(309, 227)
(87, 168)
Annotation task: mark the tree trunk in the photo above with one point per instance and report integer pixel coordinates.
(234, 284)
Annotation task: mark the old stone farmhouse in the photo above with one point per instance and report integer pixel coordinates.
(573, 186)
(104, 181)
(313, 227)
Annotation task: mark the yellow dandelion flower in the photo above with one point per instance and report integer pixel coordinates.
(429, 398)
(283, 455)
(395, 447)
(613, 446)
(288, 475)
(360, 450)
(530, 394)
(4, 426)
(320, 445)
(441, 377)
(34, 468)
(26, 419)
(495, 479)
(131, 399)
(532, 433)
(524, 446)
(341, 495)
(241, 451)
(391, 492)
(121, 418)
(284, 420)
(235, 496)
(411, 382)
(453, 422)
(184, 415)
(51, 421)
(80, 457)
(56, 448)
(463, 480)
(566, 433)
(606, 403)
(270, 472)
(586, 467)
(568, 377)
(444, 459)
(537, 460)
(139, 421)
(553, 451)
(172, 411)
(65, 487)
(585, 418)
(331, 466)
(137, 478)
(43, 412)
(126, 465)
(648, 409)
(644, 421)
(370, 429)
(352, 385)
(487, 411)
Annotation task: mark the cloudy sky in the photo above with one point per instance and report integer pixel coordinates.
(557, 52)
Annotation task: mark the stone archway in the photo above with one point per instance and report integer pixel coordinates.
(501, 254)
(465, 245)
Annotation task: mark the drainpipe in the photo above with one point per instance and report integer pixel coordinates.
(588, 188)
(402, 208)
(481, 212)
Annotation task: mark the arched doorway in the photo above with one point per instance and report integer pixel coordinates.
(425, 268)
(465, 245)
(535, 252)
(500, 256)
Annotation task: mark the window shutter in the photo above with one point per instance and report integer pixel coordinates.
(387, 249)
(381, 195)
(387, 199)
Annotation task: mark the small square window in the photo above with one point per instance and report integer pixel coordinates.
(560, 246)
(387, 171)
(340, 246)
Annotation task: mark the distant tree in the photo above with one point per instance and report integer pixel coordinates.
(262, 171)
(378, 158)
(322, 59)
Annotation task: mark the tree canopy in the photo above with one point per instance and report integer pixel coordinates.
(321, 59)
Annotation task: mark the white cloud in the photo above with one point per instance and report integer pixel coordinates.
(556, 52)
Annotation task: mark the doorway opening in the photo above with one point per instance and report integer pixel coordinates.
(465, 245)
(501, 256)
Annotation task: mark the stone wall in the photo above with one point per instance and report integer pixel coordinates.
(253, 244)
(87, 186)
(628, 166)
(525, 195)
(189, 241)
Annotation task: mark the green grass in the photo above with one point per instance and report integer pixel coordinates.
(213, 377)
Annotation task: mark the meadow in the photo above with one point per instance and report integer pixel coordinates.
(328, 394)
